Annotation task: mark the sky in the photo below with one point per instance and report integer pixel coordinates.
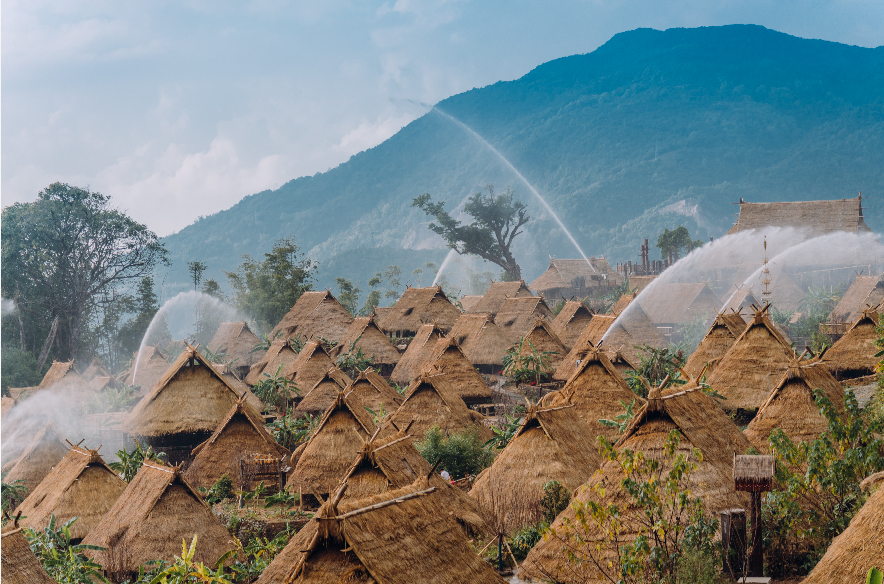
(179, 109)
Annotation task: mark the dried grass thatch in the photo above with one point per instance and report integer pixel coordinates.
(418, 351)
(544, 339)
(151, 367)
(239, 385)
(236, 340)
(740, 299)
(815, 217)
(720, 337)
(624, 301)
(370, 390)
(676, 303)
(81, 486)
(449, 361)
(311, 365)
(865, 292)
(6, 405)
(702, 424)
(315, 314)
(19, 564)
(419, 306)
(45, 451)
(481, 340)
(62, 374)
(468, 303)
(364, 334)
(518, 315)
(150, 519)
(791, 407)
(853, 355)
(625, 332)
(241, 433)
(566, 278)
(493, 300)
(96, 369)
(570, 322)
(324, 392)
(280, 356)
(552, 444)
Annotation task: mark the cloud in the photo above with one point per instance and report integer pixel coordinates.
(367, 134)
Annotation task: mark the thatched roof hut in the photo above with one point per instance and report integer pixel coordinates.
(570, 322)
(865, 292)
(518, 315)
(6, 405)
(315, 314)
(19, 564)
(324, 392)
(853, 355)
(631, 329)
(468, 303)
(184, 407)
(416, 307)
(370, 390)
(151, 365)
(237, 341)
(791, 407)
(239, 385)
(364, 334)
(418, 351)
(596, 390)
(814, 217)
(740, 299)
(858, 548)
(676, 303)
(96, 369)
(624, 301)
(584, 343)
(701, 424)
(449, 361)
(431, 401)
(552, 444)
(280, 356)
(352, 541)
(544, 339)
(494, 298)
(332, 448)
(568, 278)
(81, 485)
(752, 367)
(150, 519)
(43, 452)
(241, 433)
(310, 366)
(720, 337)
(62, 374)
(482, 341)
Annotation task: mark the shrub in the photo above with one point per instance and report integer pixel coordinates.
(220, 491)
(461, 454)
(654, 366)
(130, 462)
(533, 365)
(525, 539)
(64, 562)
(18, 369)
(555, 500)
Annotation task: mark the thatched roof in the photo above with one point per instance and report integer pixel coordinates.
(419, 306)
(366, 335)
(596, 390)
(420, 348)
(191, 397)
(80, 485)
(670, 303)
(431, 401)
(624, 301)
(332, 447)
(352, 541)
(19, 564)
(494, 298)
(791, 407)
(551, 444)
(853, 355)
(702, 424)
(236, 340)
(625, 332)
(279, 356)
(371, 391)
(62, 373)
(858, 548)
(310, 366)
(720, 337)
(315, 314)
(449, 361)
(241, 433)
(567, 273)
(230, 376)
(151, 366)
(752, 367)
(570, 322)
(785, 293)
(740, 299)
(469, 302)
(480, 339)
(96, 369)
(149, 520)
(44, 451)
(583, 344)
(619, 360)
(865, 292)
(6, 404)
(518, 315)
(544, 339)
(815, 217)
(322, 395)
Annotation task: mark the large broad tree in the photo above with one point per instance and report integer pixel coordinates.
(676, 243)
(497, 220)
(65, 254)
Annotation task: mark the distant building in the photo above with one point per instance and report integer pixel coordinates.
(817, 217)
(576, 278)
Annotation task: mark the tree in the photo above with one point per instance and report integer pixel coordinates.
(66, 252)
(496, 222)
(348, 295)
(676, 242)
(196, 269)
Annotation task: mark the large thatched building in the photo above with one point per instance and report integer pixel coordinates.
(364, 334)
(571, 321)
(449, 361)
(580, 278)
(813, 217)
(720, 337)
(517, 316)
(237, 341)
(853, 355)
(496, 295)
(416, 307)
(315, 314)
(482, 341)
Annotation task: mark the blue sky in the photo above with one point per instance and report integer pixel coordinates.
(179, 109)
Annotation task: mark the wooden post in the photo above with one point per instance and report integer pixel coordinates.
(500, 552)
(756, 559)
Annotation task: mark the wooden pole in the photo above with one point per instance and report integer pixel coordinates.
(756, 560)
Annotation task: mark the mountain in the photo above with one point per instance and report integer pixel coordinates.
(651, 130)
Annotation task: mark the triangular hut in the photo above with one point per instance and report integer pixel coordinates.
(6, 407)
(44, 452)
(720, 337)
(577, 277)
(280, 356)
(673, 304)
(81, 486)
(752, 367)
(865, 291)
(237, 341)
(631, 329)
(544, 341)
(310, 366)
(551, 444)
(62, 376)
(568, 366)
(791, 407)
(494, 298)
(468, 303)
(150, 519)
(518, 315)
(416, 307)
(324, 392)
(418, 351)
(623, 302)
(184, 407)
(364, 334)
(239, 385)
(701, 424)
(570, 322)
(150, 367)
(241, 433)
(853, 355)
(352, 541)
(482, 341)
(315, 314)
(449, 361)
(431, 401)
(332, 448)
(740, 299)
(619, 360)
(96, 369)
(19, 564)
(371, 391)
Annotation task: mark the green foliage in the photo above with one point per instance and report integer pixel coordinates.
(290, 430)
(353, 361)
(875, 576)
(183, 570)
(505, 433)
(18, 369)
(621, 421)
(676, 242)
(130, 462)
(461, 454)
(65, 563)
(276, 390)
(220, 491)
(282, 498)
(528, 366)
(555, 500)
(611, 298)
(11, 494)
(496, 222)
(377, 416)
(112, 398)
(196, 269)
(259, 552)
(348, 295)
(876, 407)
(654, 366)
(525, 539)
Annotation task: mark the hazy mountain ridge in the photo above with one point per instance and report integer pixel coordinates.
(615, 140)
